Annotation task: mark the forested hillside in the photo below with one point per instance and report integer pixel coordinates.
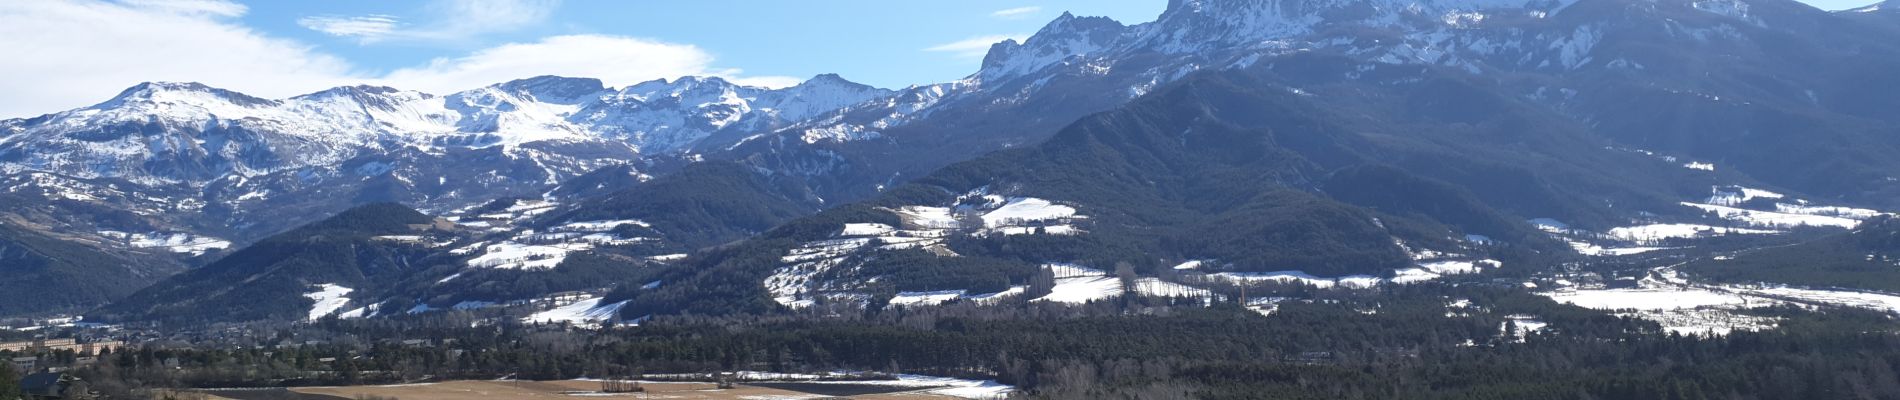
(273, 276)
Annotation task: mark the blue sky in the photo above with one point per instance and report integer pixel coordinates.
(72, 53)
(880, 42)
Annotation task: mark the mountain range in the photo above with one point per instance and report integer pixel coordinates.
(1306, 141)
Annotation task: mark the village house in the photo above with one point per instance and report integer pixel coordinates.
(54, 386)
(25, 363)
(68, 344)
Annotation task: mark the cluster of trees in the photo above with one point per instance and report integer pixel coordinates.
(919, 270)
(1397, 342)
(9, 382)
(45, 274)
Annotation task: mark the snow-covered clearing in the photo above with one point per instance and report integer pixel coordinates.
(589, 312)
(1832, 211)
(1299, 277)
(1439, 269)
(183, 243)
(867, 229)
(922, 217)
(1771, 219)
(512, 255)
(1683, 310)
(597, 226)
(329, 299)
(925, 298)
(400, 238)
(1728, 202)
(1028, 209)
(1080, 290)
(1156, 287)
(1655, 233)
(1736, 195)
(1524, 325)
(806, 262)
(1423, 272)
(1874, 301)
(359, 312)
(1651, 299)
(1591, 249)
(1549, 225)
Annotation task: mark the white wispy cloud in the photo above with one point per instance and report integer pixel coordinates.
(367, 28)
(616, 60)
(1015, 13)
(974, 47)
(217, 8)
(445, 20)
(64, 54)
(69, 54)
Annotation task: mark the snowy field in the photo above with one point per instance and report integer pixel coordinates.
(1681, 310)
(1684, 306)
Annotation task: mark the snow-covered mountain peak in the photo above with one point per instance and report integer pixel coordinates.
(1204, 27)
(824, 82)
(356, 91)
(820, 94)
(180, 92)
(367, 97)
(555, 89)
(676, 115)
(688, 90)
(1066, 36)
(173, 100)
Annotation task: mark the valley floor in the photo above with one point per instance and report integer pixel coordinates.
(483, 390)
